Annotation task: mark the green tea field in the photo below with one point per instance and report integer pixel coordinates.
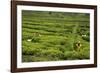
(55, 36)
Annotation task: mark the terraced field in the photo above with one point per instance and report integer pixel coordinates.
(53, 36)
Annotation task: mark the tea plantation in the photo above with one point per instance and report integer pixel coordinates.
(52, 36)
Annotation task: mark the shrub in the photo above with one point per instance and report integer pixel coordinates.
(68, 55)
(87, 38)
(26, 58)
(30, 51)
(36, 58)
(35, 39)
(63, 42)
(25, 37)
(84, 54)
(52, 53)
(59, 32)
(72, 55)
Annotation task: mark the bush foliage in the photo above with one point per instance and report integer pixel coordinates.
(50, 36)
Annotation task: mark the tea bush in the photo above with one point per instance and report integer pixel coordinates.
(50, 36)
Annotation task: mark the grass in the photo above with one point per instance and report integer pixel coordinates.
(52, 36)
